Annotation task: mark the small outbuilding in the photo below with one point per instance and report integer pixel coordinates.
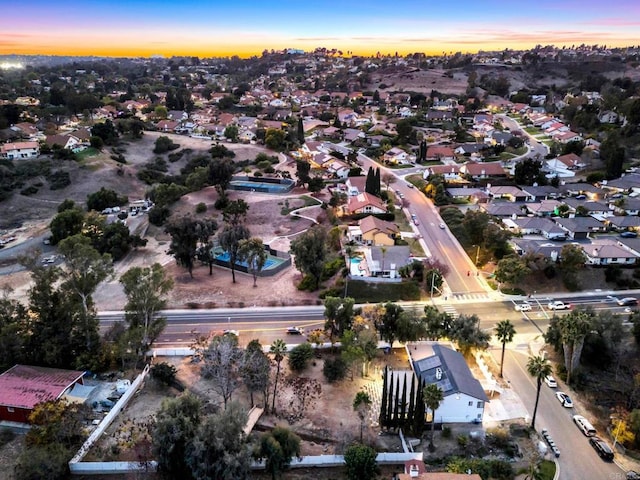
(22, 387)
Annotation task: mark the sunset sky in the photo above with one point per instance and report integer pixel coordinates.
(208, 28)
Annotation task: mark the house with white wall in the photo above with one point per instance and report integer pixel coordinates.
(464, 397)
(19, 150)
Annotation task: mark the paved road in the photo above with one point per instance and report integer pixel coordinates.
(268, 324)
(537, 150)
(578, 460)
(440, 243)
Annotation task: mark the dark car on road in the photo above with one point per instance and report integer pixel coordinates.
(295, 331)
(602, 447)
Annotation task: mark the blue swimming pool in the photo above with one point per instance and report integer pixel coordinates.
(269, 263)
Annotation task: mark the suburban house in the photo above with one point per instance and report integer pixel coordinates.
(626, 222)
(65, 141)
(543, 248)
(364, 203)
(483, 170)
(355, 185)
(579, 227)
(629, 182)
(440, 153)
(534, 226)
(22, 387)
(464, 397)
(19, 150)
(537, 193)
(373, 231)
(572, 161)
(609, 253)
(502, 209)
(513, 194)
(472, 195)
(396, 155)
(451, 173)
(545, 208)
(386, 261)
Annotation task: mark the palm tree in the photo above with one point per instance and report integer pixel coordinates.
(360, 404)
(504, 332)
(432, 397)
(278, 348)
(539, 368)
(252, 251)
(383, 250)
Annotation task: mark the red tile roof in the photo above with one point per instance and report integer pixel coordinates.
(24, 386)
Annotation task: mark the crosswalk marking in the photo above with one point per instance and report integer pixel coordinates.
(451, 311)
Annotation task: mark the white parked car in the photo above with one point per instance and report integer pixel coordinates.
(558, 305)
(564, 399)
(523, 307)
(550, 381)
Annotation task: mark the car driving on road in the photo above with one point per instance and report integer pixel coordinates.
(550, 381)
(558, 305)
(295, 331)
(627, 302)
(523, 307)
(564, 399)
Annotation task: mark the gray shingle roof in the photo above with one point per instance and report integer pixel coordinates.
(449, 370)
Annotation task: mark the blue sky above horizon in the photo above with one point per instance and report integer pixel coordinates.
(213, 28)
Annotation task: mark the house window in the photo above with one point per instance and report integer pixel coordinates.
(10, 409)
(480, 404)
(471, 404)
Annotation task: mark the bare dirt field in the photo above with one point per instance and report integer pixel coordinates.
(268, 218)
(421, 81)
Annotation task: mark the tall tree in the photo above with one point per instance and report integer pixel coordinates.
(278, 349)
(504, 333)
(361, 404)
(300, 131)
(255, 371)
(303, 169)
(369, 185)
(310, 251)
(230, 239)
(277, 448)
(252, 252)
(220, 174)
(86, 269)
(574, 327)
(185, 233)
(175, 427)
(539, 368)
(465, 331)
(222, 364)
(388, 323)
(433, 397)
(13, 318)
(146, 289)
(219, 449)
(338, 314)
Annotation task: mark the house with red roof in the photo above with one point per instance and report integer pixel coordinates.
(364, 203)
(483, 170)
(22, 387)
(19, 150)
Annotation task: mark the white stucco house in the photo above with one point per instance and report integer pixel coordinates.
(19, 150)
(464, 398)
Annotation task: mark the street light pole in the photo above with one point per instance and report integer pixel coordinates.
(477, 255)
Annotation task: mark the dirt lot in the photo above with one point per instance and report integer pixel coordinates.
(268, 219)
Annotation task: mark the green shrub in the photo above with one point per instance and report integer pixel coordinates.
(332, 267)
(307, 283)
(446, 432)
(299, 357)
(334, 369)
(201, 207)
(158, 215)
(164, 373)
(59, 180)
(462, 440)
(175, 156)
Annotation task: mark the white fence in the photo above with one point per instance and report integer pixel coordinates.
(106, 421)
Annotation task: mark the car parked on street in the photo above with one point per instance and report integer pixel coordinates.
(602, 447)
(564, 399)
(558, 305)
(629, 234)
